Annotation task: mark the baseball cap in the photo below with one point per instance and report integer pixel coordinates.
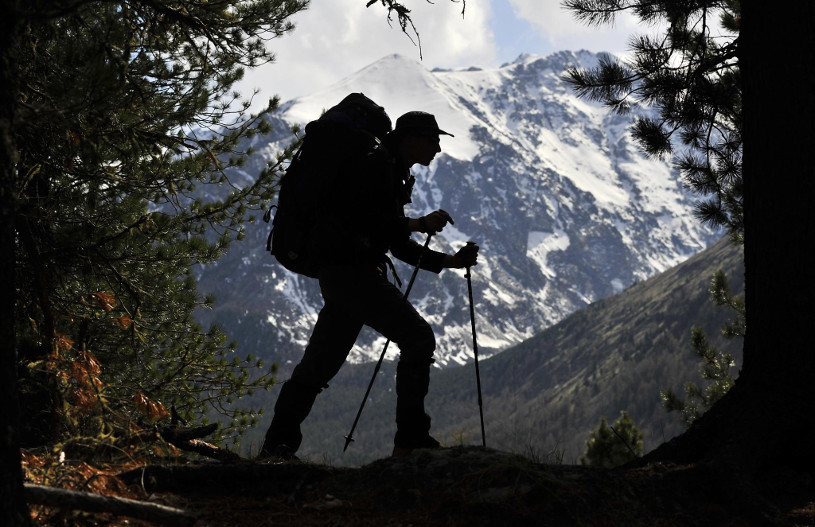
(418, 123)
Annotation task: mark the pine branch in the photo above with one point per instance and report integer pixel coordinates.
(595, 12)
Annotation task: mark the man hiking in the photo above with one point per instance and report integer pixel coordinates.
(369, 210)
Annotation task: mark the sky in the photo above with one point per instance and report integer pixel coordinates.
(335, 38)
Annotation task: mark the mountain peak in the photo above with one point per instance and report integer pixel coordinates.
(393, 63)
(557, 61)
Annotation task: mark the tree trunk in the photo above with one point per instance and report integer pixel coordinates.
(13, 510)
(762, 421)
(779, 185)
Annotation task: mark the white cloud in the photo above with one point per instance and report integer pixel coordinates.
(559, 27)
(334, 38)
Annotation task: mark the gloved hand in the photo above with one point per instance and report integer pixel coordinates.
(467, 256)
(435, 221)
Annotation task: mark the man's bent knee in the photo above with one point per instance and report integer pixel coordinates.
(419, 347)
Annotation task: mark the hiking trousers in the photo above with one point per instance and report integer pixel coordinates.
(356, 296)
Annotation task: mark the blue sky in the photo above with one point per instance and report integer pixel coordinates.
(514, 35)
(335, 38)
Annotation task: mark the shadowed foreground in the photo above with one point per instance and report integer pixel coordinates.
(474, 486)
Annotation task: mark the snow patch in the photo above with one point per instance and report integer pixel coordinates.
(540, 244)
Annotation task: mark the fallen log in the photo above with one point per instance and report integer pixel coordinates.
(173, 434)
(189, 439)
(90, 502)
(205, 449)
(244, 478)
(185, 439)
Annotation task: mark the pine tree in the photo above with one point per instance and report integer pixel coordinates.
(764, 73)
(128, 136)
(715, 365)
(613, 446)
(691, 77)
(13, 510)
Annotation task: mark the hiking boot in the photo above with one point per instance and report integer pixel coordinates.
(404, 445)
(283, 437)
(276, 454)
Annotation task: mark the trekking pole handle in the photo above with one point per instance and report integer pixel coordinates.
(467, 272)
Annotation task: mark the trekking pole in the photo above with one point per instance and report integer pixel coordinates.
(475, 353)
(350, 437)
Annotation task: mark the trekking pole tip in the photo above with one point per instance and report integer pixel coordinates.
(348, 441)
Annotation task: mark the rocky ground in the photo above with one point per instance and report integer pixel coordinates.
(470, 486)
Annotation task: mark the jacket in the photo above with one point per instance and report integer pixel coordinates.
(373, 196)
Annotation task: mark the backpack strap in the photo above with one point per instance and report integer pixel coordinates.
(267, 217)
(389, 263)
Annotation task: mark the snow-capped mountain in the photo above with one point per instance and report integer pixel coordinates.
(563, 204)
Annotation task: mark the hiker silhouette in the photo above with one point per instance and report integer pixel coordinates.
(367, 208)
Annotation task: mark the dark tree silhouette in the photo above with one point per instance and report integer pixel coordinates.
(756, 161)
(13, 510)
(113, 116)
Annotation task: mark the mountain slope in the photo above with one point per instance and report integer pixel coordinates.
(565, 208)
(549, 392)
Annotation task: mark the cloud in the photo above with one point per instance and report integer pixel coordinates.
(337, 37)
(562, 31)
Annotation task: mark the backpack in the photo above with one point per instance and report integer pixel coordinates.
(302, 217)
